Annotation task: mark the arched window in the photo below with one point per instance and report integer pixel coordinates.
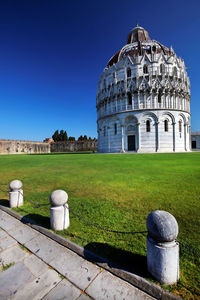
(145, 69)
(129, 96)
(128, 72)
(175, 71)
(154, 48)
(180, 126)
(166, 125)
(162, 68)
(148, 126)
(115, 128)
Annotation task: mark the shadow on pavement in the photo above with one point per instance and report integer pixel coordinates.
(37, 219)
(118, 258)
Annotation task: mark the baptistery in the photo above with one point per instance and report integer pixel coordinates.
(143, 99)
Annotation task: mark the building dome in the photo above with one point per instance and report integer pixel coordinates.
(139, 43)
(144, 85)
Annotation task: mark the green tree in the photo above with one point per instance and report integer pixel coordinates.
(71, 138)
(58, 137)
(55, 136)
(65, 138)
(80, 138)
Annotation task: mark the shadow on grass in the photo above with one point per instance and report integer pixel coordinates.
(117, 258)
(36, 219)
(4, 202)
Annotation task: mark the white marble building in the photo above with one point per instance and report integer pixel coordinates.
(143, 99)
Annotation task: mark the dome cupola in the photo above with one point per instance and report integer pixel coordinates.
(138, 34)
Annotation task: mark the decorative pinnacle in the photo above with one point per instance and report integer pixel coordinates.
(137, 25)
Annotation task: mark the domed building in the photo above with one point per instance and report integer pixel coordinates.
(143, 99)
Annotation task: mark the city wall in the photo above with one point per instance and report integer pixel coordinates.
(22, 147)
(74, 146)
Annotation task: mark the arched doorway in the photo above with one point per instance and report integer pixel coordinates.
(131, 133)
(131, 142)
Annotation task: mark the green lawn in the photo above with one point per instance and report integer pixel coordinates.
(117, 192)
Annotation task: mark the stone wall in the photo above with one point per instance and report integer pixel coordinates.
(21, 147)
(74, 146)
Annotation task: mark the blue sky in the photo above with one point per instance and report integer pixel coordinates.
(53, 52)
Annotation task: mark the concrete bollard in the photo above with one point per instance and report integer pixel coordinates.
(59, 213)
(16, 193)
(162, 248)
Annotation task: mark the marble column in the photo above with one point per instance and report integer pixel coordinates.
(185, 142)
(138, 137)
(108, 131)
(157, 137)
(174, 136)
(122, 126)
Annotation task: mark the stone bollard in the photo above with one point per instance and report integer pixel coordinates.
(59, 213)
(16, 193)
(162, 248)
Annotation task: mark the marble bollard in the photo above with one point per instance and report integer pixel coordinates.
(59, 213)
(162, 247)
(16, 193)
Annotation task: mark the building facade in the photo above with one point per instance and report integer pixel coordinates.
(143, 99)
(195, 139)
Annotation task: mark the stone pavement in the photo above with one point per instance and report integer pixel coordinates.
(33, 266)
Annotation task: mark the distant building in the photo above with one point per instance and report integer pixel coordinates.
(143, 99)
(195, 140)
(48, 140)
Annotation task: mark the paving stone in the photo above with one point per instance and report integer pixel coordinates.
(7, 222)
(2, 234)
(107, 286)
(63, 291)
(23, 233)
(83, 297)
(35, 265)
(44, 248)
(75, 268)
(6, 242)
(14, 279)
(39, 287)
(13, 254)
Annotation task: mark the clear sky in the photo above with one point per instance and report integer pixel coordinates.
(53, 52)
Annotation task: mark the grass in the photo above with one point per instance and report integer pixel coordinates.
(25, 249)
(117, 192)
(6, 267)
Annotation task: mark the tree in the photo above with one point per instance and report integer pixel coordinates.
(85, 137)
(65, 138)
(71, 138)
(55, 136)
(80, 138)
(58, 137)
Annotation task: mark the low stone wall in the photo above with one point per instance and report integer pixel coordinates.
(74, 146)
(21, 147)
